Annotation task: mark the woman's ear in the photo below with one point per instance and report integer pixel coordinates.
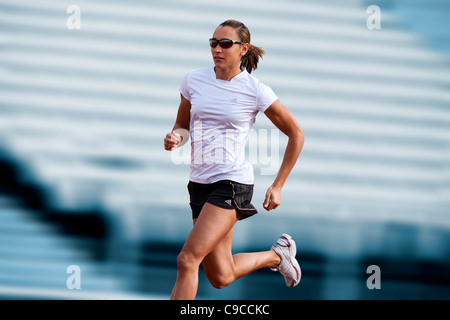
(244, 49)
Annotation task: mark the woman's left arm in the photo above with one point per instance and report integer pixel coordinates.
(283, 119)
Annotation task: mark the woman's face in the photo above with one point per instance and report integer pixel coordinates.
(227, 58)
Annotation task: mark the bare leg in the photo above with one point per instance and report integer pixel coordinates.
(222, 268)
(210, 242)
(209, 230)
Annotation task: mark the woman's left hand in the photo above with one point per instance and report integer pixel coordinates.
(273, 198)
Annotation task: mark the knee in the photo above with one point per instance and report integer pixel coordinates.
(186, 262)
(221, 281)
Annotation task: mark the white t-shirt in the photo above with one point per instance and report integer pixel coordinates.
(222, 113)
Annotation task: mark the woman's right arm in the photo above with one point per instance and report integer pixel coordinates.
(173, 138)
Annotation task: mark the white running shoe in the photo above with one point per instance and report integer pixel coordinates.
(289, 267)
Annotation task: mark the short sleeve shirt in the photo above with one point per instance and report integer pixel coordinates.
(222, 114)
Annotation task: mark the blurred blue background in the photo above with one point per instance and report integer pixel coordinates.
(84, 178)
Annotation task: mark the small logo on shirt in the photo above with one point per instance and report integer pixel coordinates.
(234, 100)
(228, 202)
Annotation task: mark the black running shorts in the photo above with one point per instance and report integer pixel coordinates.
(224, 194)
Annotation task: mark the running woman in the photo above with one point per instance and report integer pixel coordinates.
(218, 106)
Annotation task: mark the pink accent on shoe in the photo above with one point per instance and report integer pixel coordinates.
(290, 269)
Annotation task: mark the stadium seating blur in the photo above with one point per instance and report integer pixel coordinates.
(85, 179)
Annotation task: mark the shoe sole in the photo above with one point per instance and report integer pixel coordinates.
(292, 254)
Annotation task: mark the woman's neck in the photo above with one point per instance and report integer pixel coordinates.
(227, 74)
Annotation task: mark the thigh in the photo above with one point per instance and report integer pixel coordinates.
(219, 262)
(210, 228)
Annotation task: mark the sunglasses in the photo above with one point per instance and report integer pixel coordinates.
(223, 43)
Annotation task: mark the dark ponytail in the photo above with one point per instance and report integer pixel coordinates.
(250, 60)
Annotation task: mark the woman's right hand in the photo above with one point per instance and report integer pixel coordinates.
(172, 140)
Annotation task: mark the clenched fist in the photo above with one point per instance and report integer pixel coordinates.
(176, 139)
